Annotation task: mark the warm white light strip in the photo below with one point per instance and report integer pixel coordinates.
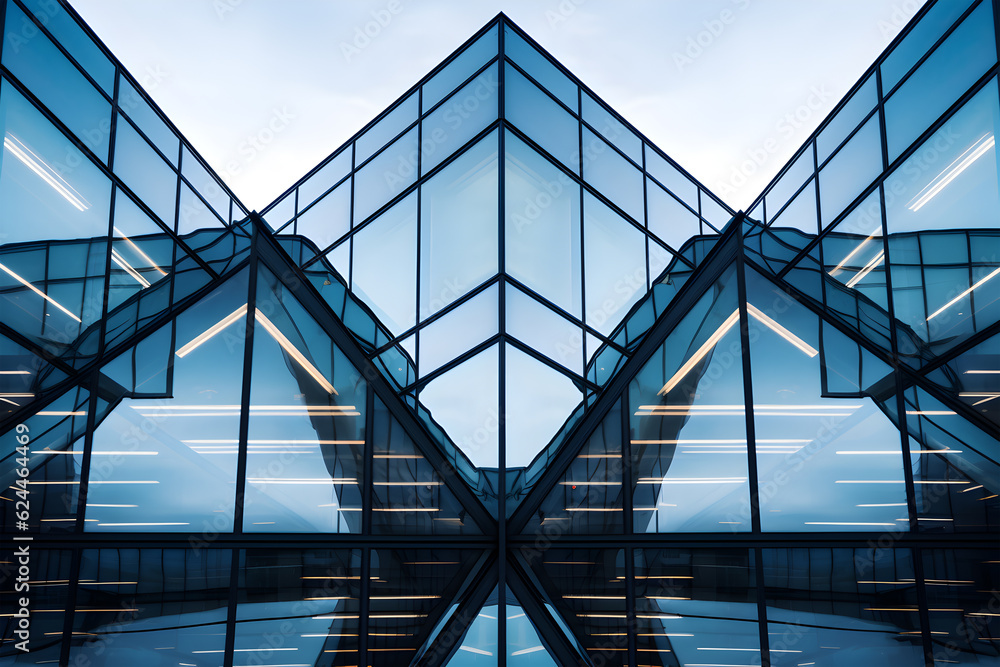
(836, 269)
(930, 413)
(129, 269)
(44, 171)
(471, 649)
(294, 353)
(781, 331)
(963, 294)
(952, 171)
(982, 372)
(712, 341)
(986, 400)
(868, 268)
(525, 651)
(199, 340)
(39, 292)
(138, 250)
(15, 372)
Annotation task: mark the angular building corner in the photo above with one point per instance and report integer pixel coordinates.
(498, 382)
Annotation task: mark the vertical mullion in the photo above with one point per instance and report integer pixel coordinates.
(758, 564)
(369, 461)
(630, 617)
(416, 295)
(364, 606)
(234, 582)
(502, 306)
(241, 461)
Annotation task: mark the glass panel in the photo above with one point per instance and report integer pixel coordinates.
(409, 497)
(612, 175)
(670, 177)
(800, 213)
(458, 233)
(329, 219)
(40, 66)
(325, 178)
(460, 69)
(46, 628)
(182, 616)
(459, 119)
(791, 180)
(669, 219)
(540, 68)
(713, 212)
(588, 497)
(307, 600)
(615, 273)
(307, 417)
(686, 403)
(973, 378)
(385, 129)
(961, 587)
(193, 213)
(696, 607)
(848, 118)
(207, 185)
(588, 592)
(825, 462)
(542, 227)
(282, 212)
(71, 35)
(851, 170)
(919, 40)
(539, 399)
(141, 253)
(386, 176)
(941, 79)
(548, 124)
(460, 330)
(544, 330)
(169, 464)
(524, 648)
(479, 645)
(612, 129)
(54, 440)
(385, 265)
(147, 120)
(825, 604)
(465, 401)
(145, 172)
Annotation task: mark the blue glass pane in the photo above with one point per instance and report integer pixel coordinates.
(69, 33)
(139, 111)
(789, 183)
(669, 219)
(851, 170)
(612, 129)
(39, 65)
(542, 227)
(919, 40)
(325, 178)
(458, 227)
(459, 119)
(193, 213)
(141, 253)
(669, 176)
(800, 213)
(465, 401)
(941, 79)
(848, 118)
(386, 176)
(385, 265)
(206, 185)
(460, 330)
(282, 212)
(535, 114)
(327, 220)
(615, 269)
(612, 175)
(460, 69)
(386, 129)
(539, 399)
(541, 69)
(713, 212)
(145, 172)
(544, 330)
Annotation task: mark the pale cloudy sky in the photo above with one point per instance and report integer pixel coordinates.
(712, 82)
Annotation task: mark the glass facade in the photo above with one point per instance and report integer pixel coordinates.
(498, 382)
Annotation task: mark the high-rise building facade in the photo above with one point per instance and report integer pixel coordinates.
(498, 382)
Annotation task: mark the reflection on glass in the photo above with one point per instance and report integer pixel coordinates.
(543, 329)
(307, 416)
(313, 595)
(612, 175)
(961, 587)
(385, 176)
(615, 272)
(541, 69)
(328, 219)
(686, 406)
(826, 604)
(545, 122)
(459, 330)
(51, 571)
(459, 119)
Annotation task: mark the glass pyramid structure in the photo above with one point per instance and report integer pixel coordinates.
(498, 382)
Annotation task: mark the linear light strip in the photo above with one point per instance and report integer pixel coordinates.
(201, 339)
(953, 171)
(294, 353)
(868, 268)
(139, 251)
(963, 294)
(44, 171)
(129, 269)
(700, 354)
(781, 331)
(39, 292)
(861, 245)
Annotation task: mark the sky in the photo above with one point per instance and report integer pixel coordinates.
(265, 89)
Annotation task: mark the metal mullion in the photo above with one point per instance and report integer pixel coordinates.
(248, 339)
(458, 87)
(417, 318)
(443, 368)
(364, 604)
(958, 350)
(74, 578)
(534, 81)
(847, 139)
(762, 623)
(234, 581)
(549, 363)
(502, 375)
(369, 461)
(751, 434)
(631, 621)
(922, 605)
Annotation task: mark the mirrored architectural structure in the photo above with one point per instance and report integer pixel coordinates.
(498, 382)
